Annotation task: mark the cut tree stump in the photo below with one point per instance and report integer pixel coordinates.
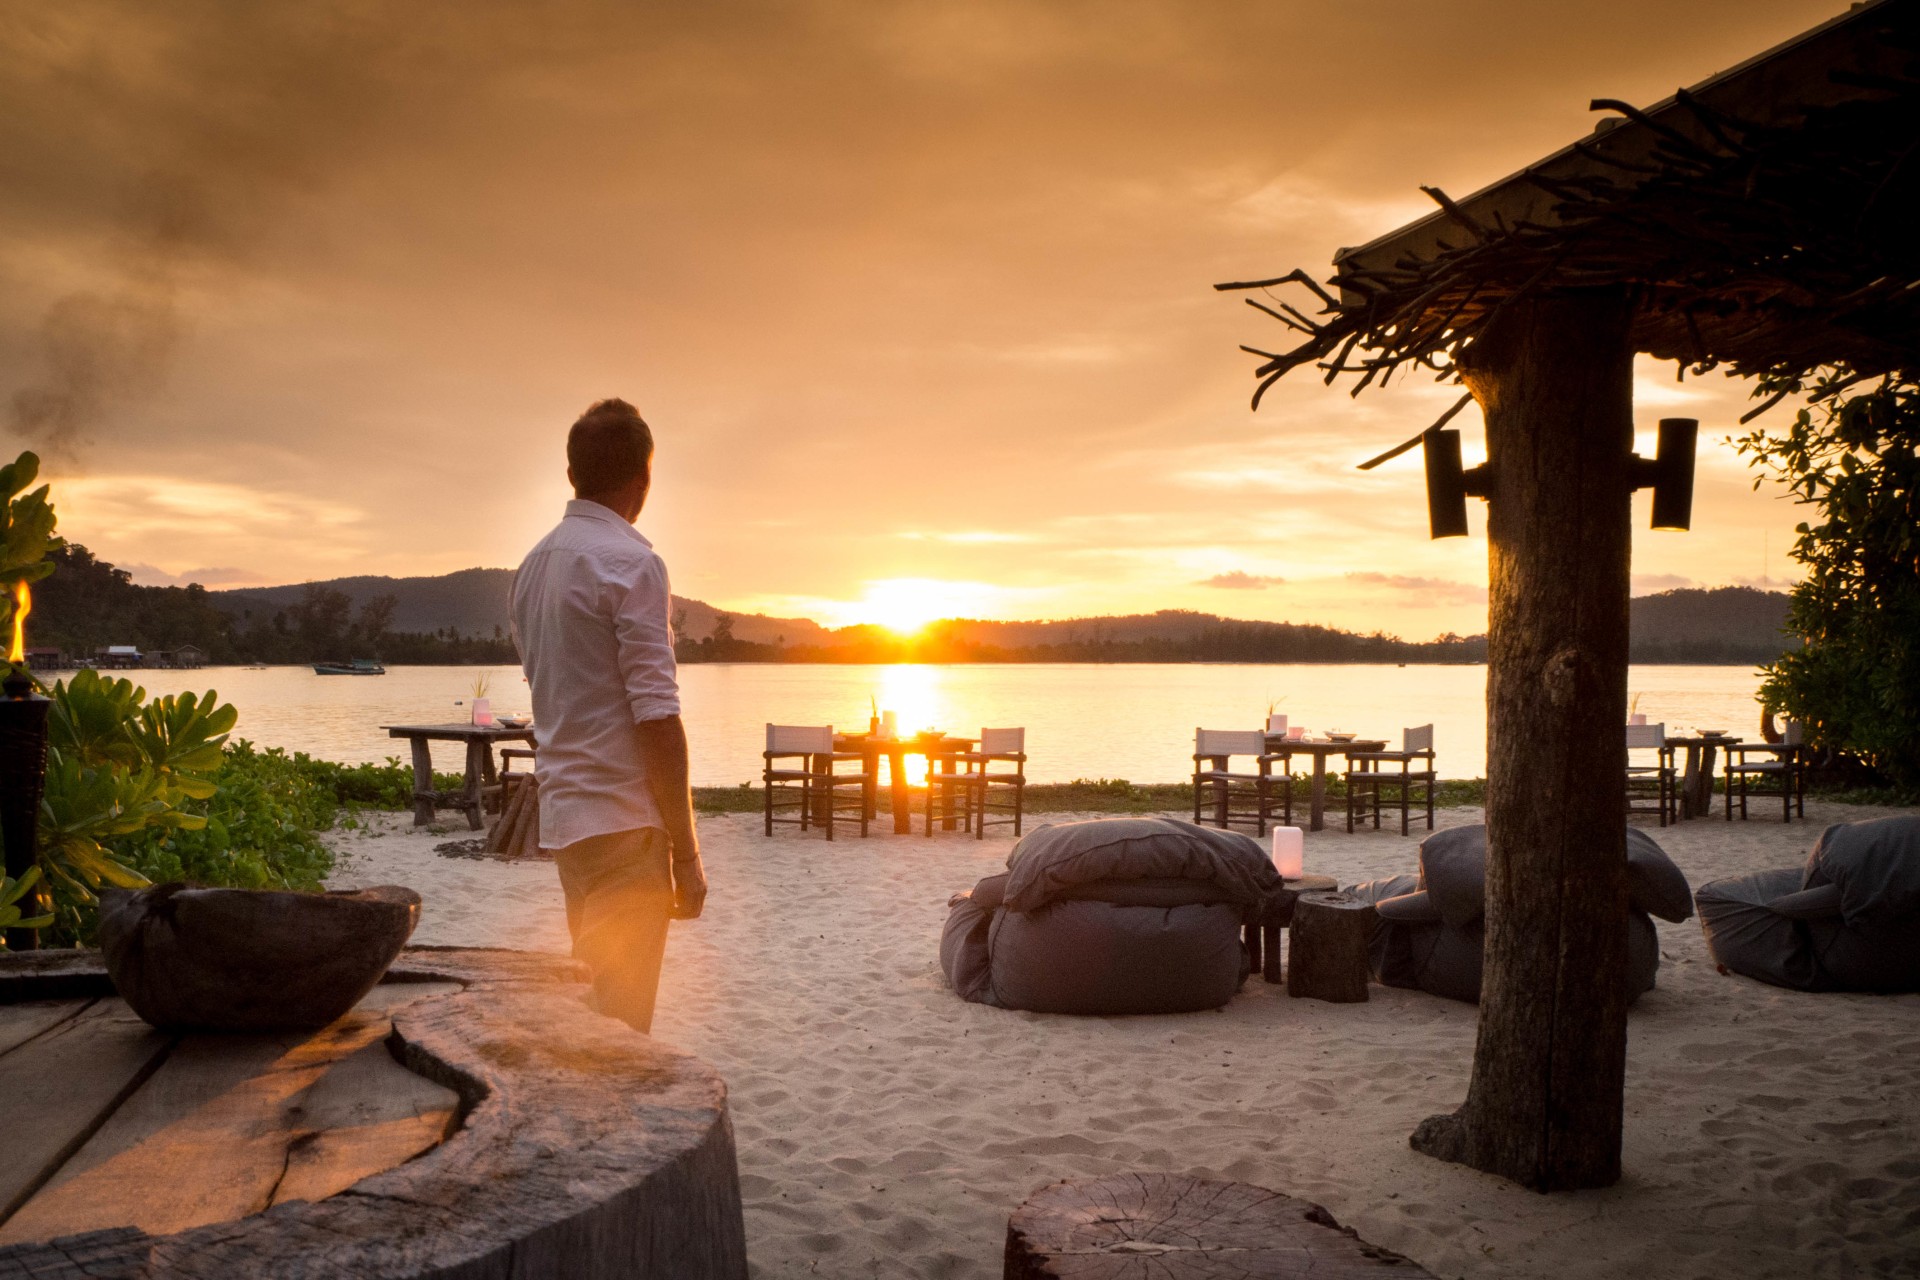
(545, 1140)
(1157, 1226)
(1327, 947)
(1279, 915)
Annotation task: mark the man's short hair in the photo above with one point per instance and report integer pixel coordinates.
(607, 447)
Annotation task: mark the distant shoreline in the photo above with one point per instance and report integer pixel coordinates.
(852, 662)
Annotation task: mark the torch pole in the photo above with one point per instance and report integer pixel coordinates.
(23, 777)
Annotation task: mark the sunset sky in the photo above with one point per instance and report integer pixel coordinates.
(915, 295)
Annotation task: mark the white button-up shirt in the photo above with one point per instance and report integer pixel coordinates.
(591, 618)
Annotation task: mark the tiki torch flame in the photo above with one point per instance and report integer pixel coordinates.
(22, 606)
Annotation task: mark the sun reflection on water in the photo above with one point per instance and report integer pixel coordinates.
(916, 694)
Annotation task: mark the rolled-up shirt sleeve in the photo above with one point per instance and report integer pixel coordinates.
(643, 627)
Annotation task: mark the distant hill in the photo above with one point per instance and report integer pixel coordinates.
(1720, 625)
(462, 618)
(472, 601)
(475, 601)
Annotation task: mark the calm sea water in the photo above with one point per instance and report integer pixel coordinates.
(1133, 721)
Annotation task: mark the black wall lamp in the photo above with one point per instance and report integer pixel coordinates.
(1669, 473)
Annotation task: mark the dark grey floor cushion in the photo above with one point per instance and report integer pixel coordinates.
(1431, 930)
(1110, 916)
(1849, 920)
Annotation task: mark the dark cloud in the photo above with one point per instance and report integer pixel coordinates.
(1422, 590)
(1647, 583)
(1239, 580)
(148, 575)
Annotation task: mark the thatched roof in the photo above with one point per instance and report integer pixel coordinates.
(1767, 219)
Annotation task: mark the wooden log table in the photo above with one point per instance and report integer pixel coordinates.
(1319, 749)
(1158, 1226)
(1263, 939)
(471, 1117)
(1327, 947)
(1696, 776)
(479, 740)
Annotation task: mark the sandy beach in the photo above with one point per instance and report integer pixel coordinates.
(885, 1128)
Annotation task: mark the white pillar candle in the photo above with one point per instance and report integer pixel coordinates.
(1289, 852)
(1638, 717)
(1277, 725)
(889, 725)
(482, 711)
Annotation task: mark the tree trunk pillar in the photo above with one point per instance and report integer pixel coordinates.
(1554, 378)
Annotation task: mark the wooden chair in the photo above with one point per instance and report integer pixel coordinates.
(1654, 781)
(1218, 790)
(1368, 778)
(814, 788)
(973, 782)
(1783, 773)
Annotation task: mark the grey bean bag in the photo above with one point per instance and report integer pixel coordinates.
(1431, 930)
(1847, 921)
(1113, 915)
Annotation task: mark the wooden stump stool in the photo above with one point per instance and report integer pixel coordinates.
(1327, 947)
(470, 1118)
(1156, 1226)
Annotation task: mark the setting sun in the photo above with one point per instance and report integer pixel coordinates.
(905, 605)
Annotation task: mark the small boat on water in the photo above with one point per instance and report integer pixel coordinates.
(358, 667)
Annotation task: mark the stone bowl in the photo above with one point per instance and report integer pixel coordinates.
(250, 959)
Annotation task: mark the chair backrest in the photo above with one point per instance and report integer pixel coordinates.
(1646, 735)
(1003, 742)
(1229, 742)
(814, 739)
(1796, 733)
(1420, 739)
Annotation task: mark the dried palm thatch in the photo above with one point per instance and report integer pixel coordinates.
(1764, 221)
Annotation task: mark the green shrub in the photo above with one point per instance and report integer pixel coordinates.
(260, 828)
(365, 786)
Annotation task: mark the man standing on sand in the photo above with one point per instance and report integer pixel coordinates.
(590, 618)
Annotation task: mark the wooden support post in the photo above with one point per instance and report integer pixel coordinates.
(479, 762)
(423, 795)
(1554, 377)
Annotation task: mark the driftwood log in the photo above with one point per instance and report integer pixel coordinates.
(583, 1149)
(1156, 1226)
(516, 832)
(1327, 947)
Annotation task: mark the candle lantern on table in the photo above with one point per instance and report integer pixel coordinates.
(1289, 852)
(23, 766)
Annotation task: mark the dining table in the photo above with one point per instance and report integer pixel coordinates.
(1319, 749)
(479, 740)
(938, 748)
(1696, 775)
